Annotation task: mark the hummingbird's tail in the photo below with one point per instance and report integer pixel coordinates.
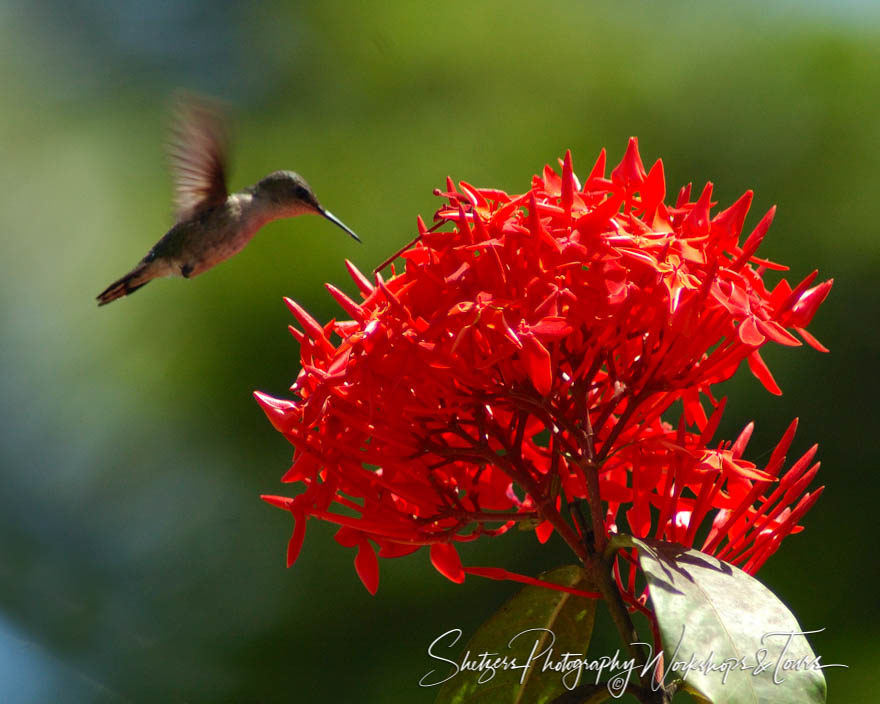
(131, 282)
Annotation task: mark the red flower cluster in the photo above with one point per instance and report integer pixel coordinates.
(524, 360)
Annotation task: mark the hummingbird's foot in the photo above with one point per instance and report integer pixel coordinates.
(186, 270)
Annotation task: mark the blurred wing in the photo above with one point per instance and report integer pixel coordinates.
(197, 152)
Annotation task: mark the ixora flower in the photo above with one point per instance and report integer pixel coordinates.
(524, 367)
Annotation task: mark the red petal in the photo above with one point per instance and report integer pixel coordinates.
(654, 187)
(363, 283)
(446, 561)
(811, 341)
(739, 445)
(598, 170)
(349, 306)
(348, 537)
(276, 410)
(746, 471)
(537, 227)
(762, 372)
(777, 457)
(630, 173)
(684, 195)
(305, 465)
(697, 222)
(463, 226)
(309, 324)
(551, 328)
(807, 304)
(730, 221)
(473, 194)
(299, 533)
(366, 564)
(282, 502)
(753, 241)
(798, 291)
(543, 531)
(708, 431)
(749, 333)
(538, 364)
(596, 221)
(693, 409)
(569, 184)
(499, 574)
(777, 333)
(298, 334)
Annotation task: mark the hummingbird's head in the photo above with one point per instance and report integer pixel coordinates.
(288, 192)
(289, 195)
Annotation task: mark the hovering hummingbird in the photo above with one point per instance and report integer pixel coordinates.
(212, 224)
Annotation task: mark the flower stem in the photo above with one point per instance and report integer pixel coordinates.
(602, 580)
(600, 574)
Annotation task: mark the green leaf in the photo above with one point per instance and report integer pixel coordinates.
(563, 624)
(711, 611)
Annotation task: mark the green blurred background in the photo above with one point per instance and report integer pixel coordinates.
(137, 562)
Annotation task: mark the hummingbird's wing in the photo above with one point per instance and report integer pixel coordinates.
(197, 151)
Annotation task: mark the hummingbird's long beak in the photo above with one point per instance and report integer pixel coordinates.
(336, 221)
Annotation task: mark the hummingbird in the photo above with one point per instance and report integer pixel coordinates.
(212, 224)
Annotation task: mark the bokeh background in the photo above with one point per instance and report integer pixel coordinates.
(137, 562)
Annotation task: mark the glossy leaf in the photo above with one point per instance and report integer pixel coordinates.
(710, 610)
(565, 623)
